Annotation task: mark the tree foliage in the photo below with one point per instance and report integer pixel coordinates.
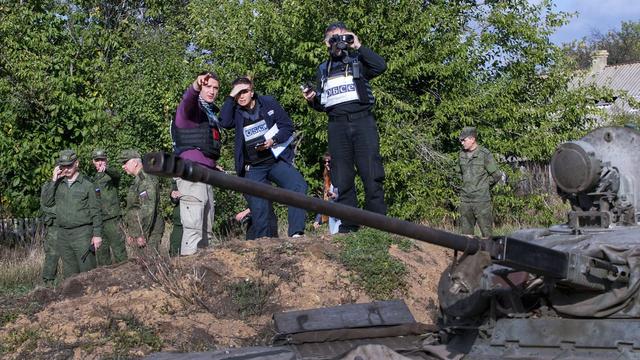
(623, 45)
(81, 75)
(112, 73)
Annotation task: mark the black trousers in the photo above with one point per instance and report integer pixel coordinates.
(355, 146)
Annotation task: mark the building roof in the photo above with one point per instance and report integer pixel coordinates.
(618, 77)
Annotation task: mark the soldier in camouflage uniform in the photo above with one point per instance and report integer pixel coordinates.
(106, 180)
(142, 218)
(77, 214)
(51, 257)
(479, 173)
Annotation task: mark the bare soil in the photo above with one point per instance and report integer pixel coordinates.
(192, 303)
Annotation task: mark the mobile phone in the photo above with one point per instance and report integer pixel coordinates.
(259, 145)
(306, 87)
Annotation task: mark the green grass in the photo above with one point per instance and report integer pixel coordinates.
(366, 253)
(15, 289)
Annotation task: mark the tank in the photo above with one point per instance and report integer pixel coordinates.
(498, 309)
(565, 292)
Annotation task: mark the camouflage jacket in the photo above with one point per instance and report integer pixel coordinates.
(48, 212)
(479, 173)
(143, 205)
(107, 192)
(75, 205)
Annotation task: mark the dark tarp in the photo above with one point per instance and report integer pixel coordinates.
(620, 246)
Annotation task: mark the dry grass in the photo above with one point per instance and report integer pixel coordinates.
(21, 267)
(184, 285)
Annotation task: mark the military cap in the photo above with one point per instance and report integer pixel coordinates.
(468, 131)
(99, 154)
(127, 155)
(67, 157)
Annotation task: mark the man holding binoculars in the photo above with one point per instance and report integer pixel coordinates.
(345, 94)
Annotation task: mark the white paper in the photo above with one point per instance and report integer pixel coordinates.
(279, 148)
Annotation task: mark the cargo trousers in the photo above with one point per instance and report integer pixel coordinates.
(354, 145)
(476, 212)
(196, 215)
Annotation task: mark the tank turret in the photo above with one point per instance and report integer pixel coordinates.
(599, 176)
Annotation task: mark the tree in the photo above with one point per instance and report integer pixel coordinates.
(623, 45)
(450, 64)
(115, 72)
(80, 75)
(46, 105)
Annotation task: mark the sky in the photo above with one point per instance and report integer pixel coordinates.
(601, 15)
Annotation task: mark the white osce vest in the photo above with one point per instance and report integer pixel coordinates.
(255, 130)
(339, 90)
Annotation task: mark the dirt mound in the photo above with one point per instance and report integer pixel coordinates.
(218, 298)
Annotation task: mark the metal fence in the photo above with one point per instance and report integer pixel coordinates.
(18, 231)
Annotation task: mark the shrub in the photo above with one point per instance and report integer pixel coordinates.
(131, 336)
(250, 297)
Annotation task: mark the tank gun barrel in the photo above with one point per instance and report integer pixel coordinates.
(570, 268)
(164, 164)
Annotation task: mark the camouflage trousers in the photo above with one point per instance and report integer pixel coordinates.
(51, 256)
(476, 212)
(71, 245)
(155, 238)
(112, 243)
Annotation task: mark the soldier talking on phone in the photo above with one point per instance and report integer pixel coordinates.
(77, 212)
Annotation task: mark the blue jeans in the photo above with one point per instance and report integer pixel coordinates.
(285, 176)
(273, 224)
(354, 144)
